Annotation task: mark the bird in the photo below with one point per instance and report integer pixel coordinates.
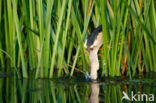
(92, 44)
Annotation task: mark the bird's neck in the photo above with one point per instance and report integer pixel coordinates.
(94, 61)
(94, 64)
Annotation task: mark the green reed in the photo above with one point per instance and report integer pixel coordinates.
(1, 54)
(19, 38)
(47, 36)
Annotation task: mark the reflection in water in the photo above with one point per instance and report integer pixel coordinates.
(13, 90)
(94, 98)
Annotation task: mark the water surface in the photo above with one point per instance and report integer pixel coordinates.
(77, 90)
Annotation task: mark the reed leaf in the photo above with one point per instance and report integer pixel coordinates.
(16, 21)
(65, 36)
(56, 39)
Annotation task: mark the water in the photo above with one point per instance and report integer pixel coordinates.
(78, 90)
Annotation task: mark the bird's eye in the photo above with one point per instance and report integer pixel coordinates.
(91, 49)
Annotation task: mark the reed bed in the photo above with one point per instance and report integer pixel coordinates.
(47, 36)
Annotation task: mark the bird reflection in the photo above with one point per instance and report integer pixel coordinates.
(94, 97)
